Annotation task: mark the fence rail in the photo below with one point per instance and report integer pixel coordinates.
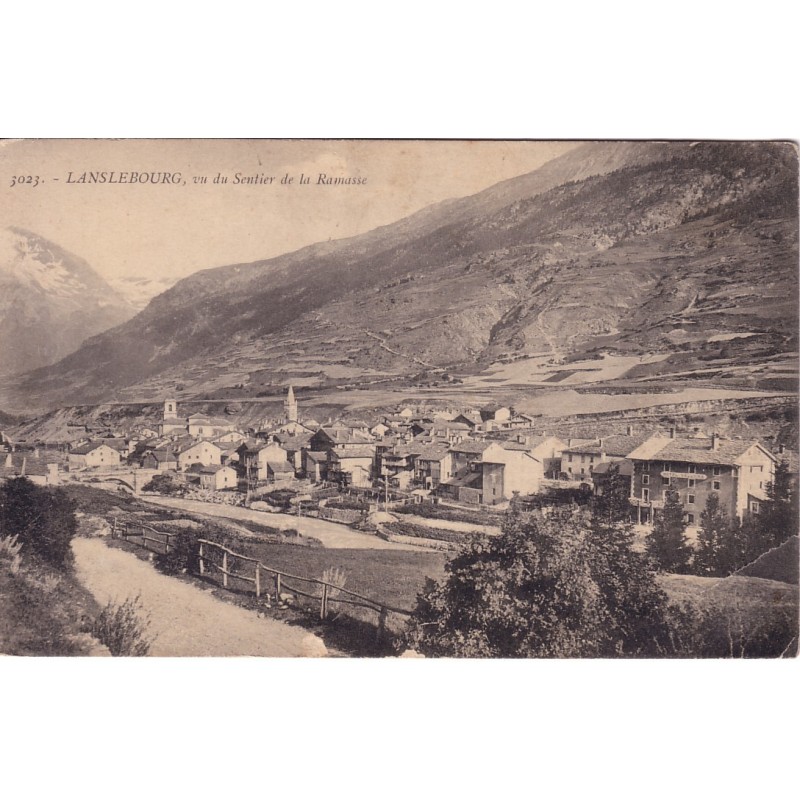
(145, 533)
(327, 594)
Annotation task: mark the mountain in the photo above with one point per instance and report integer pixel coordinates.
(50, 301)
(645, 251)
(138, 292)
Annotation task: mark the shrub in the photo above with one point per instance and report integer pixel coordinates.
(348, 504)
(42, 518)
(164, 484)
(182, 555)
(424, 532)
(337, 578)
(122, 628)
(430, 511)
(546, 587)
(10, 553)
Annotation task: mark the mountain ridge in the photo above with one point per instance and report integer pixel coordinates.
(607, 227)
(50, 301)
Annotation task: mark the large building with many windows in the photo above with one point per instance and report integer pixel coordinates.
(738, 471)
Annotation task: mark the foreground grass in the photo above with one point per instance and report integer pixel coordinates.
(44, 613)
(739, 616)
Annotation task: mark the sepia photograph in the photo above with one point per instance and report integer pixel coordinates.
(415, 399)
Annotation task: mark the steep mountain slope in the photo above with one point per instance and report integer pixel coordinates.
(620, 247)
(138, 292)
(50, 301)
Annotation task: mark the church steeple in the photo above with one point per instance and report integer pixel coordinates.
(290, 406)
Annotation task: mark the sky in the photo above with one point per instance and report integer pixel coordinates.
(173, 229)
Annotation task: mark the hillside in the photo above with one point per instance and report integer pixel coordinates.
(678, 259)
(50, 301)
(138, 292)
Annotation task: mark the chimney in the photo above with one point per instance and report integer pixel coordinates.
(672, 433)
(24, 464)
(629, 430)
(715, 441)
(569, 442)
(781, 449)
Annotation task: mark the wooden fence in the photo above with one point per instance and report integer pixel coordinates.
(146, 534)
(263, 577)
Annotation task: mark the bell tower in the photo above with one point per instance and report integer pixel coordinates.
(170, 409)
(290, 406)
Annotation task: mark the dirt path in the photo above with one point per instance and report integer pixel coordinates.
(186, 620)
(331, 534)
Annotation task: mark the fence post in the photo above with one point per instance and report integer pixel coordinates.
(323, 606)
(200, 562)
(225, 568)
(381, 625)
(258, 579)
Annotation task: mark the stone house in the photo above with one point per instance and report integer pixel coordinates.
(736, 470)
(93, 455)
(203, 452)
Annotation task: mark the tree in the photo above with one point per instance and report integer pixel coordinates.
(613, 505)
(776, 521)
(667, 544)
(718, 542)
(42, 518)
(547, 587)
(778, 517)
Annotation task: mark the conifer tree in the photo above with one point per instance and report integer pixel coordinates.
(667, 544)
(717, 542)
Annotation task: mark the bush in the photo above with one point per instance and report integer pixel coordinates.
(430, 511)
(10, 553)
(348, 504)
(184, 550)
(164, 484)
(424, 532)
(122, 628)
(182, 555)
(43, 519)
(547, 587)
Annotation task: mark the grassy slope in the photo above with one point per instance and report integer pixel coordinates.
(42, 613)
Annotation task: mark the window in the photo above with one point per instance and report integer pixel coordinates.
(690, 499)
(690, 519)
(646, 466)
(583, 459)
(717, 471)
(691, 483)
(715, 486)
(645, 494)
(645, 479)
(754, 507)
(665, 480)
(591, 459)
(692, 468)
(570, 458)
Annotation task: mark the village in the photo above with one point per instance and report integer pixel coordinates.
(472, 459)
